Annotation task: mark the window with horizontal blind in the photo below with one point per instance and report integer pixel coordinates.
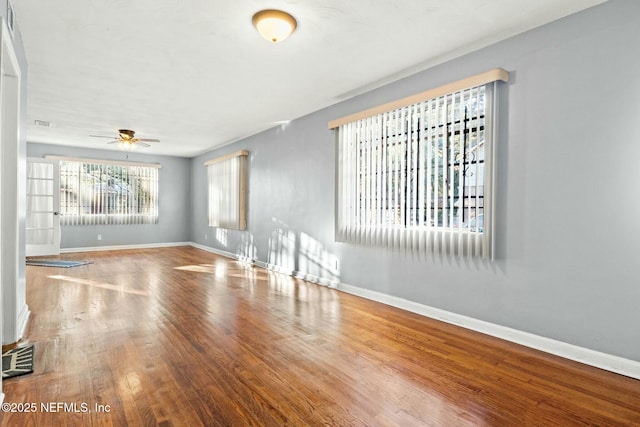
(226, 178)
(95, 192)
(418, 174)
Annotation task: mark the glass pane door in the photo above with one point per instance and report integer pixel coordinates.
(43, 200)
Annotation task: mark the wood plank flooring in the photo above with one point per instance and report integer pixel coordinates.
(181, 337)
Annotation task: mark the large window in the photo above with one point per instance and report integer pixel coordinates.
(419, 176)
(226, 177)
(95, 192)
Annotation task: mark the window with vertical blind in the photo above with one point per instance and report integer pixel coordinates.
(94, 192)
(418, 174)
(226, 177)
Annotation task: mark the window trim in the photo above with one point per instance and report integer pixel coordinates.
(497, 74)
(104, 162)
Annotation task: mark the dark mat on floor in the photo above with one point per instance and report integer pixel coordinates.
(55, 263)
(17, 361)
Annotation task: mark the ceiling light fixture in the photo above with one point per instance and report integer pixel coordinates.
(126, 145)
(274, 25)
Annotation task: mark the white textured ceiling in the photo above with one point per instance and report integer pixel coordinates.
(196, 75)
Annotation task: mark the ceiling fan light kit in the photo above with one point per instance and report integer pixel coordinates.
(126, 133)
(127, 139)
(274, 25)
(127, 145)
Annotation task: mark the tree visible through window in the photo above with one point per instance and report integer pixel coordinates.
(103, 193)
(423, 168)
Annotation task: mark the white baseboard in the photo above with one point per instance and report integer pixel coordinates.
(271, 267)
(312, 278)
(213, 250)
(619, 365)
(124, 247)
(23, 319)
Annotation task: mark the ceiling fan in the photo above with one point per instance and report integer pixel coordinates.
(127, 139)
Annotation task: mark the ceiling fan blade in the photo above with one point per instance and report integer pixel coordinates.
(127, 138)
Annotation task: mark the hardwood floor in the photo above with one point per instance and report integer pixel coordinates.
(181, 337)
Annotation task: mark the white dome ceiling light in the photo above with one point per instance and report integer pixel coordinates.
(274, 25)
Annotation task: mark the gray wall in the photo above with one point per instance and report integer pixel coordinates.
(174, 202)
(568, 209)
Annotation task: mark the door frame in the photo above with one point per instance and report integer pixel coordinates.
(53, 248)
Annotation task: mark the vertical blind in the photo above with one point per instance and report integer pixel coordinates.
(94, 193)
(420, 177)
(226, 178)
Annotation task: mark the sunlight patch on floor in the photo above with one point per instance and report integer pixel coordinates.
(221, 271)
(200, 268)
(95, 284)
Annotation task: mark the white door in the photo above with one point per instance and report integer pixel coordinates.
(43, 205)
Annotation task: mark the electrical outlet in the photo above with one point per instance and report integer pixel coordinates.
(205, 237)
(99, 236)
